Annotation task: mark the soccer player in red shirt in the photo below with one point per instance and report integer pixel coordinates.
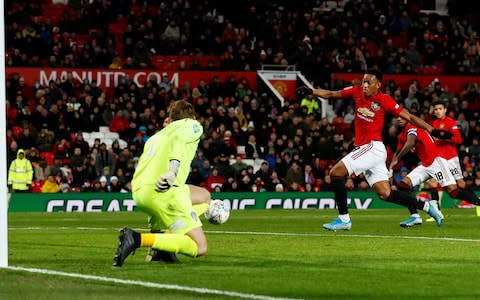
(433, 165)
(369, 156)
(448, 146)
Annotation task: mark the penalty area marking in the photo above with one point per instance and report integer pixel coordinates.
(147, 284)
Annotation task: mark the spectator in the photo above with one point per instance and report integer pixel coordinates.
(238, 166)
(195, 178)
(310, 104)
(79, 142)
(42, 170)
(309, 176)
(141, 55)
(215, 180)
(45, 139)
(79, 176)
(230, 186)
(104, 159)
(245, 181)
(62, 149)
(103, 185)
(411, 100)
(294, 175)
(253, 149)
(115, 186)
(50, 185)
(28, 137)
(264, 173)
(224, 167)
(279, 187)
(119, 123)
(20, 173)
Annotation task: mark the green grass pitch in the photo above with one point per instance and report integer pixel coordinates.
(259, 254)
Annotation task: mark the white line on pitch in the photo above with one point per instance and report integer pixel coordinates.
(407, 237)
(147, 284)
(345, 235)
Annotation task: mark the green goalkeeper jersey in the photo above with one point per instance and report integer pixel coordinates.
(179, 140)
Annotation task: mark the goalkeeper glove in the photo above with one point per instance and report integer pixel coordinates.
(304, 91)
(169, 178)
(441, 134)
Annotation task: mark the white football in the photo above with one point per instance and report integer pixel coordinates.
(217, 212)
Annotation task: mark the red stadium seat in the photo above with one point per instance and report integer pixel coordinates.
(48, 156)
(36, 186)
(16, 131)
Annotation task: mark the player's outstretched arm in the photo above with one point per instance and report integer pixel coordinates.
(326, 94)
(402, 152)
(416, 121)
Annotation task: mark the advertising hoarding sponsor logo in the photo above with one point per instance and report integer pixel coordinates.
(94, 205)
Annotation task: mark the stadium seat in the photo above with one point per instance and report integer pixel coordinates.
(48, 157)
(122, 143)
(90, 141)
(241, 151)
(97, 135)
(36, 186)
(112, 135)
(16, 131)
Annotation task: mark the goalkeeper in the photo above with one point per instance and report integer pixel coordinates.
(159, 189)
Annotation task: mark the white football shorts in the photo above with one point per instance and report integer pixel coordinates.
(369, 159)
(439, 169)
(455, 168)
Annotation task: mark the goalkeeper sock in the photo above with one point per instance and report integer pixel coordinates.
(200, 208)
(147, 239)
(175, 243)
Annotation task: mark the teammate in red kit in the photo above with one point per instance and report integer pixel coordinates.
(369, 156)
(433, 165)
(448, 146)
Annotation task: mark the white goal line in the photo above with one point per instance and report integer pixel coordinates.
(147, 284)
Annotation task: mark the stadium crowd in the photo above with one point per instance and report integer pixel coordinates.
(295, 145)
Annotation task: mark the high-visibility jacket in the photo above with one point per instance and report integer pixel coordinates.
(311, 105)
(20, 173)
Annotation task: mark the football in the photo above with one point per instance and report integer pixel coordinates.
(217, 212)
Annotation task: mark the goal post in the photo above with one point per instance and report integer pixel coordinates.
(3, 150)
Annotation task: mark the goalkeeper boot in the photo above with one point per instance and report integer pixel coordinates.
(161, 255)
(412, 221)
(129, 242)
(434, 212)
(338, 224)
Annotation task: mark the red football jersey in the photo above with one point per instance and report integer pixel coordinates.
(425, 147)
(448, 149)
(370, 113)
